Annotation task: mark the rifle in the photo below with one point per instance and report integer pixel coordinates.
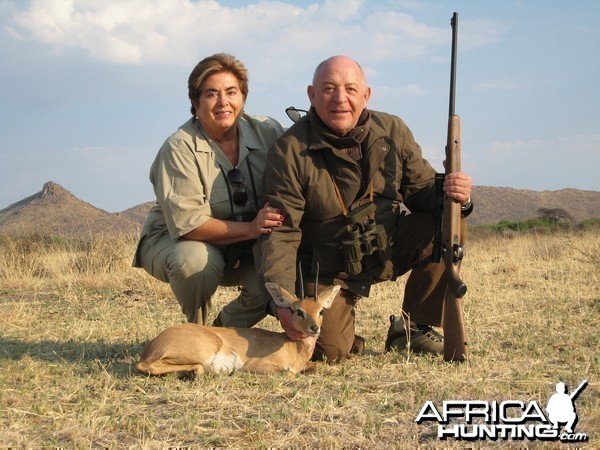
(577, 391)
(450, 231)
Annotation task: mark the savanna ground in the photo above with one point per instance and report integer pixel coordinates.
(74, 319)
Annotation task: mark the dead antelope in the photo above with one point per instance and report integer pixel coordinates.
(191, 348)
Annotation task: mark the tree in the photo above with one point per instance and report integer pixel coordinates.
(555, 216)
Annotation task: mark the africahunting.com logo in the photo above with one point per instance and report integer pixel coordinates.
(472, 420)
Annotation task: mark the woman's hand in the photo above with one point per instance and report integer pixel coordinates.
(225, 232)
(266, 219)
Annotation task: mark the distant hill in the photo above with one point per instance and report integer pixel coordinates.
(55, 211)
(494, 204)
(138, 213)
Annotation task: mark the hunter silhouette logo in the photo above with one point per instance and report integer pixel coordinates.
(472, 420)
(561, 406)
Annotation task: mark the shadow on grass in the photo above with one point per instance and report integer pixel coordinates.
(119, 359)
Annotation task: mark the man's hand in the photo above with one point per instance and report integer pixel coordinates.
(458, 186)
(285, 318)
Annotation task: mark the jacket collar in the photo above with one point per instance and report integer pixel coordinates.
(369, 131)
(323, 137)
(375, 144)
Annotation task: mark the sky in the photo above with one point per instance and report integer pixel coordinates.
(92, 88)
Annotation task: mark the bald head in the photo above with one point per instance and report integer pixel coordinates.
(339, 59)
(339, 93)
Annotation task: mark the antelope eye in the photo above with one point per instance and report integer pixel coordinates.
(321, 313)
(300, 313)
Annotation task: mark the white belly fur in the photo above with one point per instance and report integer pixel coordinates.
(222, 363)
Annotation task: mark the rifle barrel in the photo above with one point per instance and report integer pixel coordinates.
(454, 23)
(577, 391)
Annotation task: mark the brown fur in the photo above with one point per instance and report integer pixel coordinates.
(195, 348)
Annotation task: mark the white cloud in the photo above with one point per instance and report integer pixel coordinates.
(401, 36)
(408, 90)
(129, 32)
(559, 147)
(179, 31)
(341, 9)
(506, 150)
(416, 5)
(497, 85)
(587, 146)
(476, 34)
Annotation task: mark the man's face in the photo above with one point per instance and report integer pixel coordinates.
(339, 94)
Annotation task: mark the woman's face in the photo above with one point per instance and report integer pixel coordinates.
(220, 104)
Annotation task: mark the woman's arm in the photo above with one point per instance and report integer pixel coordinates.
(225, 232)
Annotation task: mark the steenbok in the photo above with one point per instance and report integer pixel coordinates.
(194, 349)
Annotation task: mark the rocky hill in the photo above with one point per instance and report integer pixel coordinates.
(494, 204)
(138, 213)
(55, 211)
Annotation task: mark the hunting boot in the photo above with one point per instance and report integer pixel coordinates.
(407, 335)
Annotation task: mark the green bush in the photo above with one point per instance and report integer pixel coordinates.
(538, 225)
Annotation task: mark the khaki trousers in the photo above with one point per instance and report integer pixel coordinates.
(195, 270)
(423, 295)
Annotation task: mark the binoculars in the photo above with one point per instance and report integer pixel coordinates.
(363, 238)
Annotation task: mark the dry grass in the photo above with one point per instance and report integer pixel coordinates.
(74, 317)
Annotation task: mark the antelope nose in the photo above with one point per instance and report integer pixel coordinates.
(315, 329)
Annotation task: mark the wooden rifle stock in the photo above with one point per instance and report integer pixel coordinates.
(449, 241)
(453, 323)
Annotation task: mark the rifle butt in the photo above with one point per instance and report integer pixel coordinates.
(455, 339)
(453, 322)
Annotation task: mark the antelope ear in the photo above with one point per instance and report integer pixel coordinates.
(326, 297)
(282, 298)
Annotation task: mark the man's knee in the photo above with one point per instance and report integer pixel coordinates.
(342, 348)
(337, 339)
